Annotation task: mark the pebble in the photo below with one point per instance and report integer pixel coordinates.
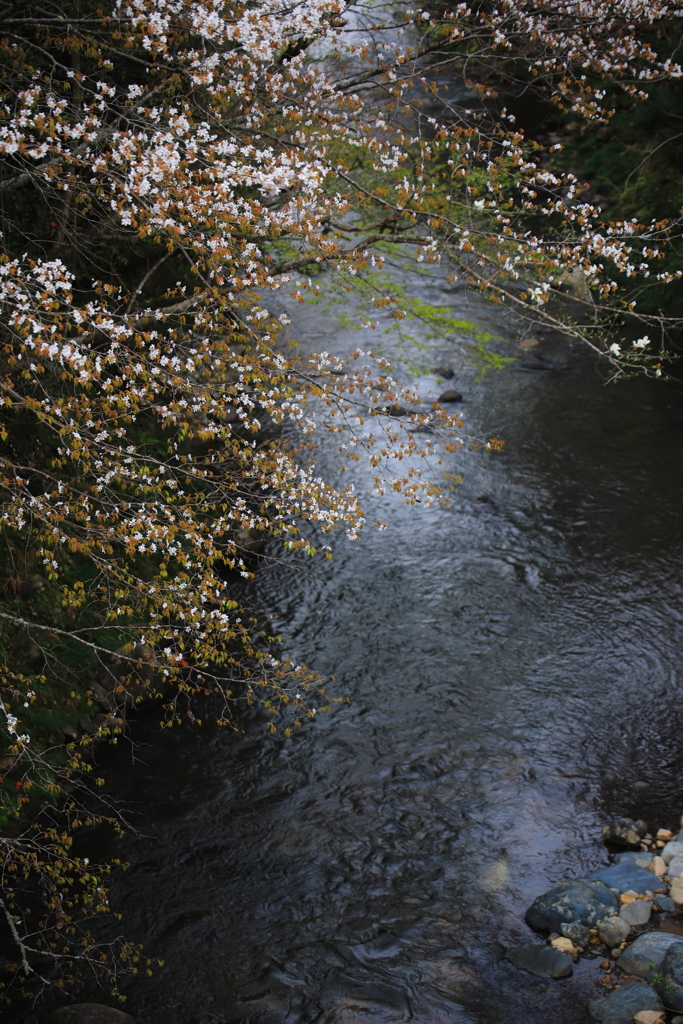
(648, 1017)
(664, 903)
(564, 944)
(664, 833)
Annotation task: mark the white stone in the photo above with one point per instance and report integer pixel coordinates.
(676, 891)
(658, 866)
(649, 1017)
(675, 867)
(672, 850)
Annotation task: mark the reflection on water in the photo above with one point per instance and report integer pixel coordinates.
(514, 668)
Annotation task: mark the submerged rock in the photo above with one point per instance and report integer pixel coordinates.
(579, 901)
(450, 396)
(670, 984)
(620, 1007)
(646, 954)
(641, 858)
(626, 877)
(543, 961)
(89, 1013)
(624, 832)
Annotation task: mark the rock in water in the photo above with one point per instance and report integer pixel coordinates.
(626, 878)
(641, 858)
(450, 396)
(543, 961)
(620, 1007)
(670, 987)
(636, 913)
(624, 832)
(579, 901)
(646, 954)
(89, 1013)
(612, 931)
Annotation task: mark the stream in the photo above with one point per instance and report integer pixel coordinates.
(513, 665)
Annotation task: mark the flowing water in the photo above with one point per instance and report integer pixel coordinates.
(513, 663)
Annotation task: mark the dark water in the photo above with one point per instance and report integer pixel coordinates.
(514, 668)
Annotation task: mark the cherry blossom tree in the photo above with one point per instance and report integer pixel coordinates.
(165, 166)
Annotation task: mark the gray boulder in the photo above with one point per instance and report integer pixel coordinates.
(670, 985)
(613, 931)
(646, 954)
(641, 858)
(543, 961)
(627, 878)
(579, 901)
(620, 1007)
(664, 903)
(636, 913)
(624, 832)
(89, 1013)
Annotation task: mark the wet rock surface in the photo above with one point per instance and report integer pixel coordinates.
(670, 984)
(626, 877)
(620, 1007)
(647, 952)
(604, 909)
(624, 832)
(543, 961)
(580, 901)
